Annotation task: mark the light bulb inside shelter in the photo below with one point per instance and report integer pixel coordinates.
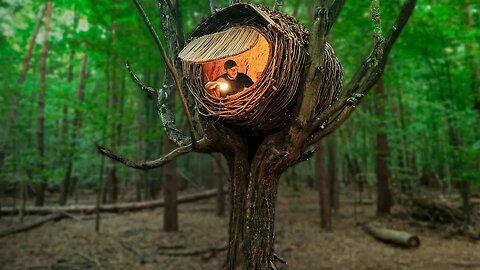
(224, 86)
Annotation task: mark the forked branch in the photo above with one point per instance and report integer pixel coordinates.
(361, 84)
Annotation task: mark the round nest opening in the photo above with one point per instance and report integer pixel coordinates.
(268, 46)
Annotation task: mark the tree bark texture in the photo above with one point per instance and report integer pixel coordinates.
(41, 110)
(384, 200)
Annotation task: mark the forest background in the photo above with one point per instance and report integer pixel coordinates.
(54, 114)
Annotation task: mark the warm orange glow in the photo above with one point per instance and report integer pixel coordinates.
(251, 62)
(224, 86)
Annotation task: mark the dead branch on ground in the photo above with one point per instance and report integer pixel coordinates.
(110, 208)
(28, 227)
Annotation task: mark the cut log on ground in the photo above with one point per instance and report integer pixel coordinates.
(398, 238)
(110, 208)
(28, 227)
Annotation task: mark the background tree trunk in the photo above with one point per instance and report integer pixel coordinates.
(384, 199)
(41, 111)
(333, 183)
(323, 198)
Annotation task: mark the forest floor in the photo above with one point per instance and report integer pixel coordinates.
(135, 241)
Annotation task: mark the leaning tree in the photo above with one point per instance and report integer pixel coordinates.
(297, 99)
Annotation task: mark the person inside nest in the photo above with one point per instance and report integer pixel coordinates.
(229, 83)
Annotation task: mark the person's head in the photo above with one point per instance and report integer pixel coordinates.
(231, 68)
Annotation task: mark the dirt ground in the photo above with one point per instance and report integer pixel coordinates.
(136, 241)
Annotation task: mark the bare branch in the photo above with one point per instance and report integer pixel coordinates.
(312, 77)
(171, 69)
(203, 145)
(142, 86)
(168, 117)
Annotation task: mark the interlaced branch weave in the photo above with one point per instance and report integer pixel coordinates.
(236, 30)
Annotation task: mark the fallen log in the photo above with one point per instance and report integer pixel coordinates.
(399, 238)
(109, 208)
(31, 226)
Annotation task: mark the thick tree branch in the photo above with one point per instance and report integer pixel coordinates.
(171, 69)
(203, 145)
(334, 12)
(347, 104)
(311, 79)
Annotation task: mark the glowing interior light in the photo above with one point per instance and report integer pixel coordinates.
(224, 86)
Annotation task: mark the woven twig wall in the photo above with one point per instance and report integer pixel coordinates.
(268, 103)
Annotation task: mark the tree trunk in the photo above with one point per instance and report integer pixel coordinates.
(332, 174)
(64, 186)
(112, 179)
(173, 30)
(12, 115)
(323, 198)
(254, 187)
(41, 111)
(170, 218)
(170, 185)
(382, 172)
(219, 176)
(66, 183)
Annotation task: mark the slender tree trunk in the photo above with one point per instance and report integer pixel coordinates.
(382, 172)
(170, 217)
(173, 30)
(218, 172)
(12, 115)
(112, 179)
(66, 183)
(41, 111)
(332, 174)
(323, 198)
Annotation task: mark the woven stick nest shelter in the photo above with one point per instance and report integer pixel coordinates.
(271, 48)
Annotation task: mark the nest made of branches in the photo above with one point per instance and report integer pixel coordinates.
(270, 100)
